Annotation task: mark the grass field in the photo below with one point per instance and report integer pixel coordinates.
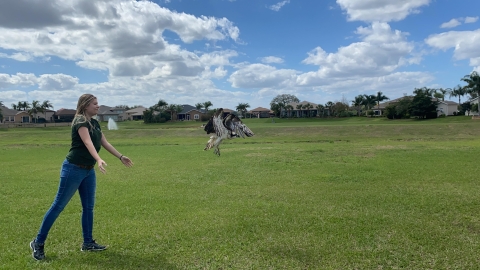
(355, 193)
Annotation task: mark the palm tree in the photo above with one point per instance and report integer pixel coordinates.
(178, 109)
(15, 107)
(308, 106)
(36, 108)
(320, 107)
(473, 83)
(171, 108)
(199, 106)
(242, 108)
(442, 92)
(358, 102)
(161, 106)
(206, 105)
(305, 107)
(426, 91)
(299, 107)
(379, 98)
(329, 105)
(458, 91)
(289, 109)
(25, 105)
(46, 104)
(369, 101)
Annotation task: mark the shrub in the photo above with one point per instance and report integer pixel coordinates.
(475, 107)
(431, 115)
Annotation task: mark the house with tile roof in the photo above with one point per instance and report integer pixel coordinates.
(298, 109)
(135, 113)
(260, 112)
(190, 112)
(443, 107)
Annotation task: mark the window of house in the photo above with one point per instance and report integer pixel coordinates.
(196, 116)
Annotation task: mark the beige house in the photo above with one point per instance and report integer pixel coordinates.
(298, 109)
(116, 113)
(444, 107)
(447, 107)
(260, 112)
(135, 114)
(13, 116)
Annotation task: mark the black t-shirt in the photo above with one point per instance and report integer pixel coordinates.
(78, 153)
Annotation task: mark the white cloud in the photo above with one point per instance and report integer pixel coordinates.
(272, 60)
(368, 65)
(471, 19)
(278, 5)
(463, 43)
(380, 10)
(218, 58)
(21, 57)
(456, 22)
(110, 29)
(19, 80)
(56, 82)
(450, 24)
(262, 76)
(381, 51)
(217, 73)
(13, 97)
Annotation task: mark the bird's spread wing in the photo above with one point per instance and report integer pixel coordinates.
(218, 126)
(234, 124)
(209, 126)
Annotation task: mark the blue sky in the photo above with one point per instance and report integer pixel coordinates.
(232, 51)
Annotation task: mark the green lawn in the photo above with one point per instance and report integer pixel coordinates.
(356, 193)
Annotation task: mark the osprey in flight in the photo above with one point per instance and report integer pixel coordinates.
(227, 127)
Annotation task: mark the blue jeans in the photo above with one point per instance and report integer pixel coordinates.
(72, 178)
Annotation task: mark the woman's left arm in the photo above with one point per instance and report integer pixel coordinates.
(124, 159)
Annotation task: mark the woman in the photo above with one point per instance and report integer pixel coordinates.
(78, 173)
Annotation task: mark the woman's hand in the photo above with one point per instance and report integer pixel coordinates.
(102, 165)
(126, 161)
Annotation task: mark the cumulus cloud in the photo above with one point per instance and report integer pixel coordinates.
(380, 10)
(56, 82)
(369, 65)
(450, 24)
(218, 58)
(278, 5)
(96, 34)
(261, 76)
(381, 51)
(272, 60)
(464, 44)
(19, 80)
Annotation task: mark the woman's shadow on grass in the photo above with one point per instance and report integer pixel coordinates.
(112, 259)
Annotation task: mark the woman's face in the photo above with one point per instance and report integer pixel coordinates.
(92, 108)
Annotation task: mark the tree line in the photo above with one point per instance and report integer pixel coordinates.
(162, 112)
(421, 104)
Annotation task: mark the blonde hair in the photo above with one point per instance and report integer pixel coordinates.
(82, 104)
